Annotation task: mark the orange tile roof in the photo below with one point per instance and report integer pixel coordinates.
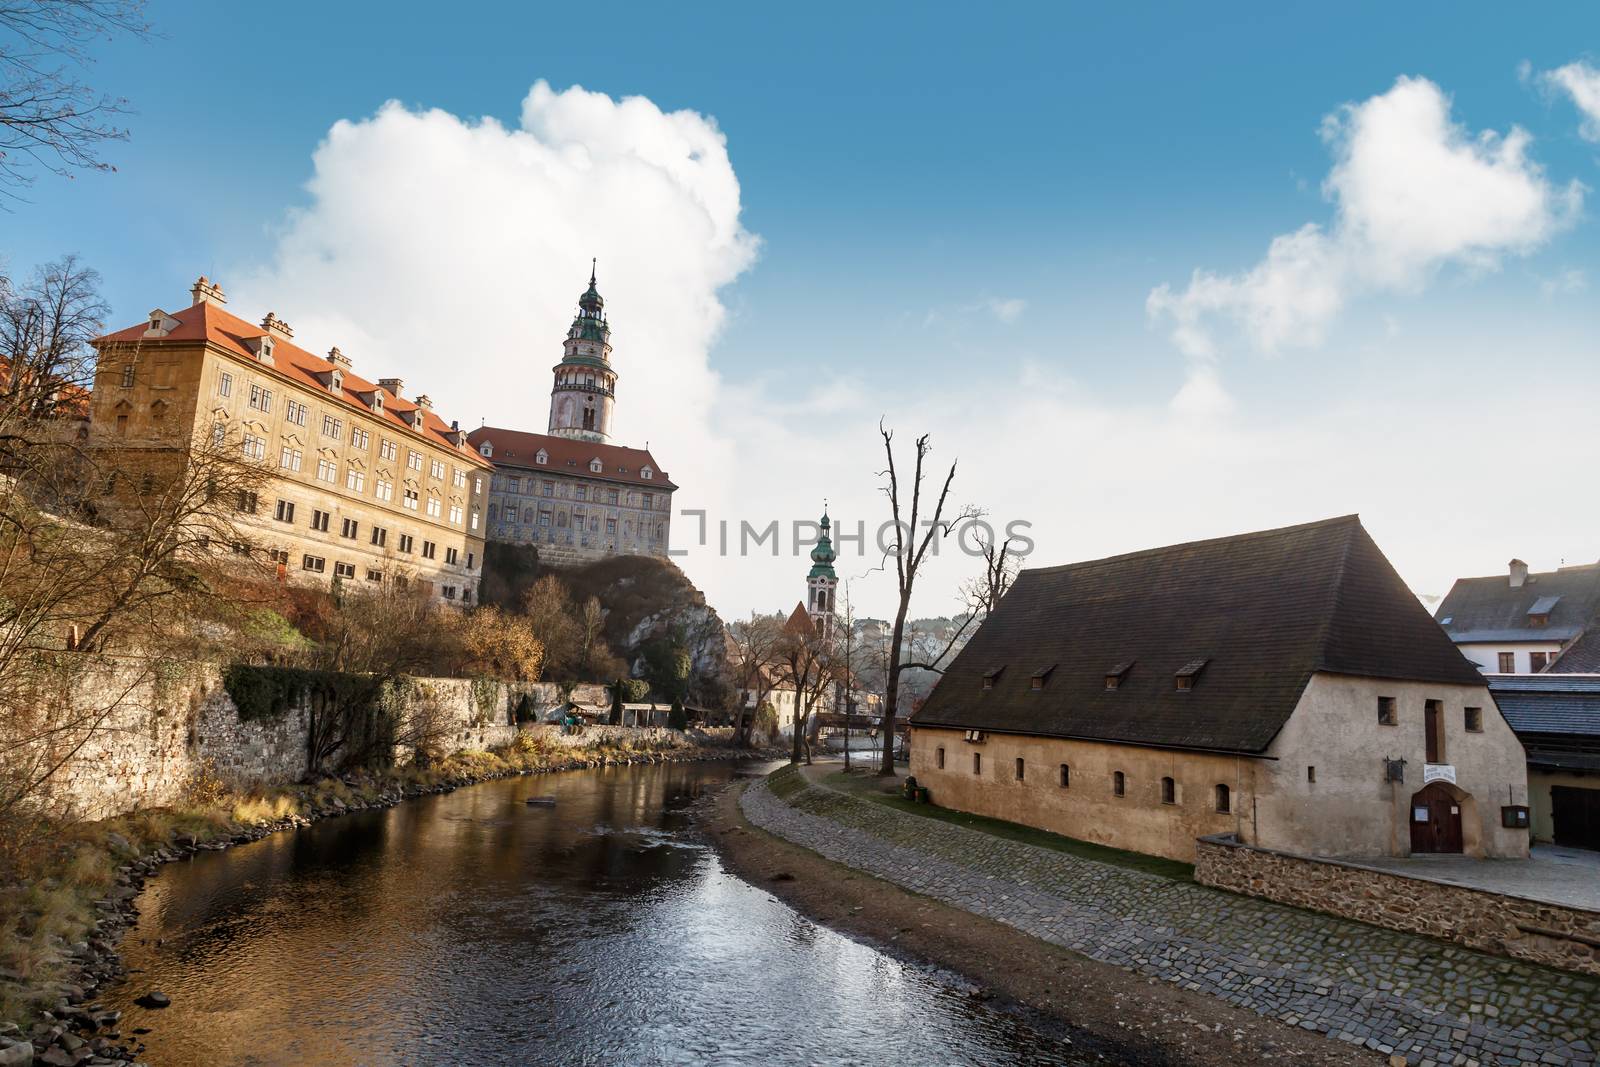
(211, 323)
(517, 448)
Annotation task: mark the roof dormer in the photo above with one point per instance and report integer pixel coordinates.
(261, 346)
(1189, 673)
(646, 472)
(595, 466)
(1116, 674)
(416, 419)
(486, 450)
(541, 457)
(161, 324)
(992, 676)
(333, 380)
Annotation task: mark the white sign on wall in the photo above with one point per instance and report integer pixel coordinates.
(1438, 772)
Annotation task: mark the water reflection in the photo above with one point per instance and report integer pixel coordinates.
(475, 929)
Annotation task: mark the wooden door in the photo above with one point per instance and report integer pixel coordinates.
(1577, 816)
(1435, 820)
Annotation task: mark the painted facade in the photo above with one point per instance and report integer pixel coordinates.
(363, 485)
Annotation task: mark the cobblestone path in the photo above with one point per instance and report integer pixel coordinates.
(1431, 1002)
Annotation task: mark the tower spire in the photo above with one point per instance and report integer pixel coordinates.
(822, 582)
(585, 383)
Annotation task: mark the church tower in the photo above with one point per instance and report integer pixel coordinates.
(822, 582)
(585, 385)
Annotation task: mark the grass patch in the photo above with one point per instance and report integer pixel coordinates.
(886, 792)
(785, 782)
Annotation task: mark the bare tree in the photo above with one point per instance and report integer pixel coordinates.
(755, 645)
(809, 665)
(929, 651)
(46, 362)
(146, 556)
(49, 117)
(910, 551)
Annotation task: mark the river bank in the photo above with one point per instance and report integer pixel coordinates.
(1100, 1007)
(61, 927)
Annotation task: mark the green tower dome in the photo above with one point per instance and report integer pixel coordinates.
(823, 555)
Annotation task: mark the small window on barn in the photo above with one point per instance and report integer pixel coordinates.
(1386, 712)
(1169, 791)
(977, 763)
(990, 677)
(1021, 768)
(939, 756)
(1040, 676)
(1311, 775)
(1066, 776)
(1188, 673)
(1119, 784)
(1116, 674)
(1224, 799)
(1474, 720)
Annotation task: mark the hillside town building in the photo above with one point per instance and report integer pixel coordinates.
(363, 485)
(1526, 622)
(570, 491)
(1282, 686)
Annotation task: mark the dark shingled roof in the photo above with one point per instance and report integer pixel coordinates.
(1263, 611)
(1548, 703)
(1489, 609)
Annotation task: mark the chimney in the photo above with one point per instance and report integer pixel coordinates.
(425, 401)
(338, 358)
(394, 385)
(206, 291)
(277, 327)
(1519, 573)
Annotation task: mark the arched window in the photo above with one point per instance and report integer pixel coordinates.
(1224, 800)
(1021, 768)
(1169, 791)
(1119, 784)
(977, 763)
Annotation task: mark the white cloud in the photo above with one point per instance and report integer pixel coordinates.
(1412, 192)
(1009, 310)
(451, 253)
(1570, 281)
(1581, 82)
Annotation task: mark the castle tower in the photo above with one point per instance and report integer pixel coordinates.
(585, 385)
(822, 582)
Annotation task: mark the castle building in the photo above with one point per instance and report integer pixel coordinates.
(570, 491)
(362, 485)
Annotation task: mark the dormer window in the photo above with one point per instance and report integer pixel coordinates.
(264, 350)
(596, 467)
(1539, 613)
(1039, 677)
(1116, 674)
(646, 473)
(377, 401)
(336, 381)
(991, 677)
(1188, 673)
(542, 457)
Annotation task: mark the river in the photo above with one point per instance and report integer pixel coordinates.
(472, 928)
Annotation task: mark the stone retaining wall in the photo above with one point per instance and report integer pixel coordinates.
(1523, 929)
(173, 722)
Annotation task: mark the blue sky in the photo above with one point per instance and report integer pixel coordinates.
(907, 169)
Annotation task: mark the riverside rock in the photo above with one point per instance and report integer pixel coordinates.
(15, 1053)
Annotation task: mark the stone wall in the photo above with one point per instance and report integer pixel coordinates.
(1524, 929)
(172, 722)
